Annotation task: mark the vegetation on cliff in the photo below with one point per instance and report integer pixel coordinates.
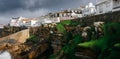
(108, 44)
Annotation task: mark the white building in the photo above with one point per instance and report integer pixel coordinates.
(55, 20)
(46, 20)
(116, 5)
(13, 22)
(21, 21)
(68, 13)
(89, 9)
(76, 13)
(105, 6)
(16, 21)
(32, 23)
(49, 20)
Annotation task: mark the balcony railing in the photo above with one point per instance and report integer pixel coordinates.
(116, 7)
(100, 1)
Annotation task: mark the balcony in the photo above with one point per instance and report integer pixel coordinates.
(101, 1)
(116, 4)
(116, 7)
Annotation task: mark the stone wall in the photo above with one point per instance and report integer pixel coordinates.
(107, 17)
(7, 30)
(21, 36)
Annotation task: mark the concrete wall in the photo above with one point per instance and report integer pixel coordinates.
(20, 36)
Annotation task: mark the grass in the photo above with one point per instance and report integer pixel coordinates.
(33, 39)
(60, 28)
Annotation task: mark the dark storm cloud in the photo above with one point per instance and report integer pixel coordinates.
(7, 5)
(35, 8)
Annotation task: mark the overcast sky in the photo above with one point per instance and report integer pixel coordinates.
(35, 8)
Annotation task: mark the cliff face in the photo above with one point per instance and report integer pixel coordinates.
(24, 51)
(19, 48)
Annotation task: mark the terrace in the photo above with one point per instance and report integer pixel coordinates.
(116, 5)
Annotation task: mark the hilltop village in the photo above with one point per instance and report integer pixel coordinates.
(54, 17)
(101, 7)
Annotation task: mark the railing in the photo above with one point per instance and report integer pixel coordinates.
(100, 1)
(116, 7)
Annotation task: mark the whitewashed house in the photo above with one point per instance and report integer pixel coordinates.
(89, 9)
(13, 23)
(32, 23)
(116, 5)
(48, 20)
(105, 6)
(76, 13)
(17, 21)
(21, 21)
(67, 14)
(55, 20)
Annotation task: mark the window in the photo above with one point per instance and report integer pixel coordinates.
(100, 9)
